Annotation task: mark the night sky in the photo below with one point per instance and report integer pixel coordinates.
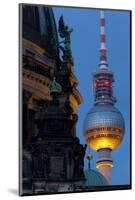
(85, 49)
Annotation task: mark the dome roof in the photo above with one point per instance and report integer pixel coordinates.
(94, 178)
(104, 114)
(39, 27)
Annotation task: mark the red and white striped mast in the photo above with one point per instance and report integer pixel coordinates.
(103, 51)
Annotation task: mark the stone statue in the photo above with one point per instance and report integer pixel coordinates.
(65, 33)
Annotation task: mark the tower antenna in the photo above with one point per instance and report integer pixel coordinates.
(103, 50)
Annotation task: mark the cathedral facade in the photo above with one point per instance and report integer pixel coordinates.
(52, 157)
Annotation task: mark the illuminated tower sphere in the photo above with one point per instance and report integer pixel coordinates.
(104, 124)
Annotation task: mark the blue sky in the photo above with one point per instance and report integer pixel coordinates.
(85, 49)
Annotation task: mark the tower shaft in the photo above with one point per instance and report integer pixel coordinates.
(104, 164)
(104, 95)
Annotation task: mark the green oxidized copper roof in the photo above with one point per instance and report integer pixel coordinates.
(55, 87)
(94, 178)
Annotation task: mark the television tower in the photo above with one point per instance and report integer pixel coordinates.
(104, 124)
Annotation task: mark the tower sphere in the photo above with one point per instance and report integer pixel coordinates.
(104, 127)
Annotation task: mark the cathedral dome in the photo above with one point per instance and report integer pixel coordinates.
(94, 178)
(104, 127)
(39, 27)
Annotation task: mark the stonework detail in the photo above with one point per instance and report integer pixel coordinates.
(53, 158)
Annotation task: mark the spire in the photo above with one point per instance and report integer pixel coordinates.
(103, 57)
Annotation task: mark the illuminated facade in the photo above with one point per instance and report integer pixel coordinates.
(104, 124)
(52, 157)
(40, 63)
